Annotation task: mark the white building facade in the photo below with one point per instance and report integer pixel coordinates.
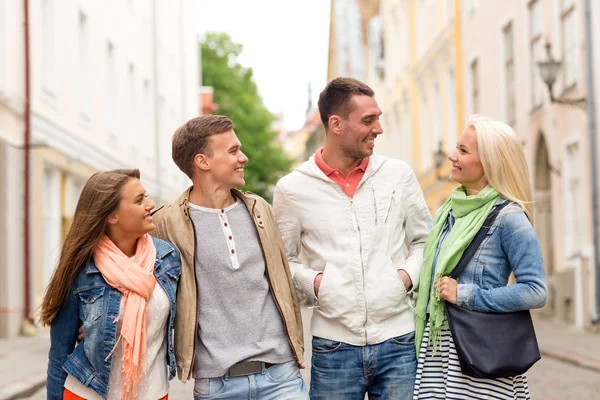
(110, 83)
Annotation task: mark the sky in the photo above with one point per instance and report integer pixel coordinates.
(285, 43)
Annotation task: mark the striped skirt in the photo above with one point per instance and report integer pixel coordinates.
(439, 376)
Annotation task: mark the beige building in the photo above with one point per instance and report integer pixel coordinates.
(502, 42)
(109, 85)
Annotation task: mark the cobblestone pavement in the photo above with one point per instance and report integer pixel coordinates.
(551, 379)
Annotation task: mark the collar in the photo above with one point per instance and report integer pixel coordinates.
(246, 197)
(327, 170)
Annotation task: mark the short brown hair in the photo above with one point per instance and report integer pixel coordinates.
(336, 98)
(192, 138)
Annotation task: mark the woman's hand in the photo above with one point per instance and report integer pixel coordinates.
(448, 289)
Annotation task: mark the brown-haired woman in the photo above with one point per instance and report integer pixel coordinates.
(106, 281)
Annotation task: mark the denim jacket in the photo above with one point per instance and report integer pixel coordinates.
(510, 245)
(94, 304)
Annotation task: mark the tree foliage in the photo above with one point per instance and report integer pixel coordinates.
(237, 96)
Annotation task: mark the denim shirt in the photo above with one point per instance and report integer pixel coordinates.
(510, 245)
(93, 303)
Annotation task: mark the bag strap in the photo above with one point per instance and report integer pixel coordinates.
(474, 245)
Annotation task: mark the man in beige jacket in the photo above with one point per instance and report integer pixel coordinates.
(238, 328)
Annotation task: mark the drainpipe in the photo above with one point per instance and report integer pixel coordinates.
(156, 105)
(591, 110)
(27, 141)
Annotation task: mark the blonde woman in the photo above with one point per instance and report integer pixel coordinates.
(490, 167)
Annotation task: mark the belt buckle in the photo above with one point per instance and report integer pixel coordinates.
(245, 368)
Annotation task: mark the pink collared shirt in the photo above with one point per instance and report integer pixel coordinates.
(347, 183)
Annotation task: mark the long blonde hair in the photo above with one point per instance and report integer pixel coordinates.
(503, 160)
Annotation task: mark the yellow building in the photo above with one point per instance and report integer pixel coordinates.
(409, 52)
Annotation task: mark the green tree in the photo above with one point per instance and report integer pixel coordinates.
(237, 96)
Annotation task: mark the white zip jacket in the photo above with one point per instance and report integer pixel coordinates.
(359, 244)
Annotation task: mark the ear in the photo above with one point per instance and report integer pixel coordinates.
(201, 161)
(113, 219)
(335, 124)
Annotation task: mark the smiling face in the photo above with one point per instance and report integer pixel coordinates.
(225, 160)
(361, 127)
(466, 164)
(132, 218)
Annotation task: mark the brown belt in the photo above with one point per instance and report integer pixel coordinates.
(248, 368)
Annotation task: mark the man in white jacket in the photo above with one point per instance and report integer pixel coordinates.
(361, 222)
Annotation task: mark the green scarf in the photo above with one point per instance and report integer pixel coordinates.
(469, 212)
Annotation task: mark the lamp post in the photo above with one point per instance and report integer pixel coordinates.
(438, 157)
(548, 71)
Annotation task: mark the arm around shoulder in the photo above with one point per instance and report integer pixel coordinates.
(290, 228)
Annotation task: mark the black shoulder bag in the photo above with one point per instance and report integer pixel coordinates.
(491, 344)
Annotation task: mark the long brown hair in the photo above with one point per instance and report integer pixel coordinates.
(99, 199)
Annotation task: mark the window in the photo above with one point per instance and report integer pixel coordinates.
(408, 136)
(509, 74)
(51, 221)
(397, 150)
(425, 136)
(433, 27)
(3, 55)
(569, 55)
(403, 32)
(473, 4)
(536, 49)
(111, 87)
(449, 11)
(574, 186)
(147, 117)
(132, 120)
(475, 87)
(436, 134)
(452, 120)
(48, 53)
(84, 68)
(421, 27)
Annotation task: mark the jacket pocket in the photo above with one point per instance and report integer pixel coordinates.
(337, 296)
(385, 291)
(388, 206)
(91, 302)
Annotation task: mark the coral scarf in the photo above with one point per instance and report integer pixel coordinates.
(134, 278)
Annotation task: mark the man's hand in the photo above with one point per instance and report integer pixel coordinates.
(317, 283)
(80, 336)
(448, 289)
(405, 279)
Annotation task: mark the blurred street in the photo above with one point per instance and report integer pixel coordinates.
(569, 369)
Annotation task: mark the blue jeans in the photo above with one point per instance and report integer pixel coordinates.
(280, 381)
(344, 372)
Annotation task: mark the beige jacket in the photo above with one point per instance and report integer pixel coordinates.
(173, 223)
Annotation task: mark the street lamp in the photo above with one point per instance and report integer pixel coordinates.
(438, 157)
(548, 70)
